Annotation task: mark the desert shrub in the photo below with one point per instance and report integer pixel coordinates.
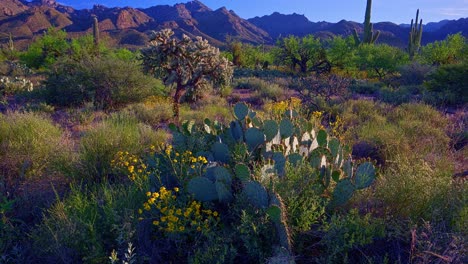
(327, 87)
(448, 85)
(399, 95)
(345, 235)
(88, 224)
(45, 50)
(263, 89)
(364, 87)
(412, 141)
(450, 50)
(105, 81)
(414, 73)
(119, 132)
(30, 145)
(154, 111)
(301, 195)
(396, 131)
(248, 73)
(413, 189)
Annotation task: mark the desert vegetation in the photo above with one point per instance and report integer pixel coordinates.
(338, 150)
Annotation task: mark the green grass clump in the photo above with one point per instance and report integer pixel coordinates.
(30, 146)
(120, 132)
(219, 111)
(153, 111)
(262, 89)
(416, 174)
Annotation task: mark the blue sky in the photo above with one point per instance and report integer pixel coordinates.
(397, 11)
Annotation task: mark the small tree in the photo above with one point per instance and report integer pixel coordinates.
(451, 50)
(303, 52)
(189, 65)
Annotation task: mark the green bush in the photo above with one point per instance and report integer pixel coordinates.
(448, 85)
(107, 82)
(31, 145)
(301, 195)
(364, 87)
(120, 132)
(400, 95)
(414, 73)
(412, 188)
(348, 233)
(46, 49)
(87, 225)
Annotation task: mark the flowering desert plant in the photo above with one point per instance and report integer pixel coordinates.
(172, 213)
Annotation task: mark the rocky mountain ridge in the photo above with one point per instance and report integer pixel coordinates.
(129, 26)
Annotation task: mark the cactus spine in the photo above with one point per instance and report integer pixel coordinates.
(95, 31)
(414, 42)
(369, 36)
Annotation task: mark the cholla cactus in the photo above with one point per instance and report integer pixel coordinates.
(11, 86)
(188, 64)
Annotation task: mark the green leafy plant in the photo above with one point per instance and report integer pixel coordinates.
(343, 234)
(107, 82)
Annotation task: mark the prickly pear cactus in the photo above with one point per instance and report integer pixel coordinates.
(220, 152)
(344, 190)
(202, 189)
(242, 172)
(270, 128)
(277, 210)
(256, 194)
(254, 137)
(365, 175)
(240, 111)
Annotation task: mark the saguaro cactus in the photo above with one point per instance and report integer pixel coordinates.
(414, 42)
(11, 44)
(95, 31)
(369, 36)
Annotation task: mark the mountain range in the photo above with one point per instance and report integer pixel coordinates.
(129, 26)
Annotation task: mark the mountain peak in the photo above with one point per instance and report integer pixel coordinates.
(50, 3)
(11, 7)
(196, 6)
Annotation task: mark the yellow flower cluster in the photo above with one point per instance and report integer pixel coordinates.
(279, 108)
(185, 158)
(131, 164)
(173, 218)
(337, 127)
(317, 115)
